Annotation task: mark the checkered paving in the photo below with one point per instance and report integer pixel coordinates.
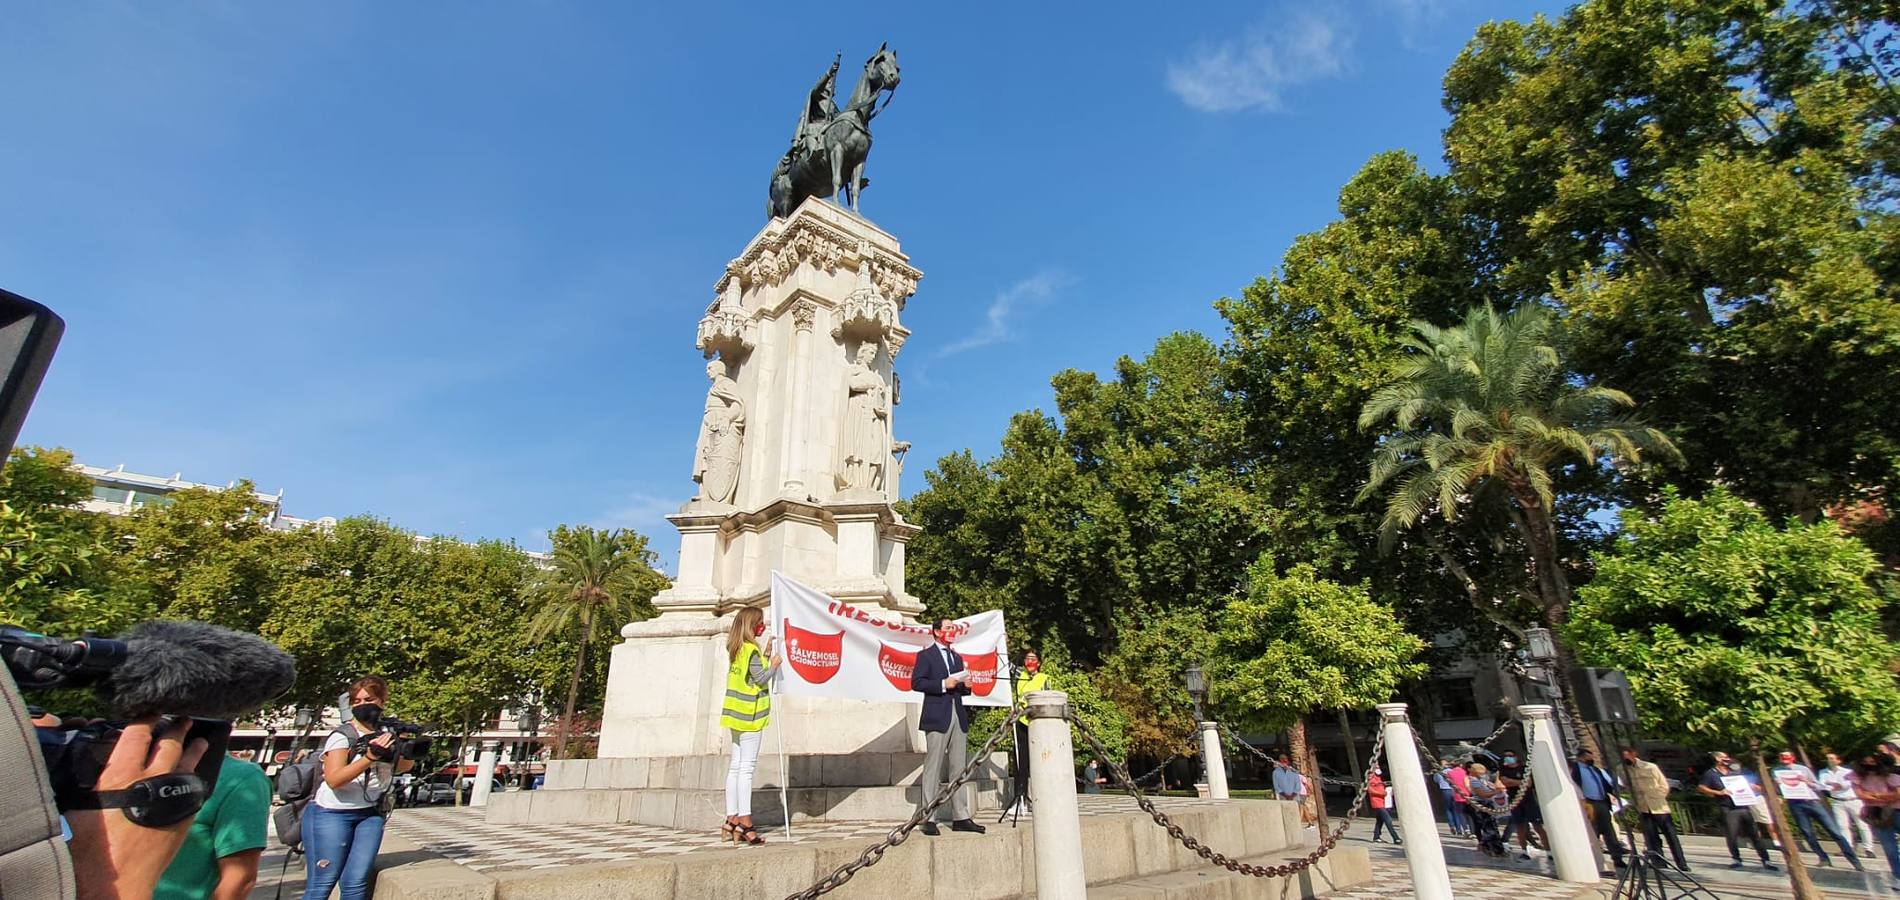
(1391, 881)
(462, 836)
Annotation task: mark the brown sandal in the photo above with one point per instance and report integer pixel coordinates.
(729, 829)
(743, 831)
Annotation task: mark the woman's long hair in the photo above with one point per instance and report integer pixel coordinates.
(743, 624)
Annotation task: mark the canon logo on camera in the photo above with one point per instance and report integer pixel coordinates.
(168, 791)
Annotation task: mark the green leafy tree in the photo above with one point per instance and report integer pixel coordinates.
(1295, 643)
(599, 581)
(1734, 631)
(207, 555)
(58, 569)
(1485, 413)
(1707, 188)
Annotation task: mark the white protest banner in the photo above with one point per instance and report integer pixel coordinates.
(1740, 791)
(1794, 785)
(833, 649)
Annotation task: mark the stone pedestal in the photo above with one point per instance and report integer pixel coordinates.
(805, 331)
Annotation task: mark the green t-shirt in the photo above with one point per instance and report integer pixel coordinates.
(233, 820)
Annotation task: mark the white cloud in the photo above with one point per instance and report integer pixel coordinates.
(999, 321)
(1252, 72)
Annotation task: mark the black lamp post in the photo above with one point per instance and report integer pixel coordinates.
(1197, 690)
(530, 722)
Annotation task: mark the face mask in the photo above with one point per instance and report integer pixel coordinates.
(367, 713)
(1032, 665)
(758, 630)
(1510, 760)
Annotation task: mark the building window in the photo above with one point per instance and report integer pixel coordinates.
(1457, 699)
(109, 494)
(148, 498)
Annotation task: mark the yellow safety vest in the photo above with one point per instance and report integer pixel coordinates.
(747, 707)
(1036, 682)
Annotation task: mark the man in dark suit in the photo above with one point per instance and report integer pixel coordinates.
(939, 676)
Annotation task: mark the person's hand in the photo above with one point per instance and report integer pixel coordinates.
(382, 747)
(114, 858)
(777, 657)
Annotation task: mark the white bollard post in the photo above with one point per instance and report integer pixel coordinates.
(484, 778)
(1057, 823)
(1216, 764)
(1570, 845)
(1424, 855)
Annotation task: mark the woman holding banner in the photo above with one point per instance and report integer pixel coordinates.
(747, 707)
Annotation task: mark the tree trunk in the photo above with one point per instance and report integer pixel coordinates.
(461, 753)
(1352, 747)
(1553, 588)
(1315, 803)
(574, 685)
(1778, 813)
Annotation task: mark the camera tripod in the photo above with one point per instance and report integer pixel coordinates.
(1018, 780)
(1646, 878)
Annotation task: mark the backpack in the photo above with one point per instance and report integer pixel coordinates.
(296, 785)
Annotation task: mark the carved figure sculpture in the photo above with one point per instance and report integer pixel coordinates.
(867, 425)
(721, 436)
(828, 150)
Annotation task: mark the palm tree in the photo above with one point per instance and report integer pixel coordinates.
(1485, 411)
(598, 579)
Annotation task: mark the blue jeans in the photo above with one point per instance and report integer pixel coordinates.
(1807, 814)
(340, 848)
(1889, 846)
(1454, 812)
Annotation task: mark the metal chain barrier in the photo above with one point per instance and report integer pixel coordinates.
(898, 835)
(1326, 843)
(1186, 746)
(1234, 740)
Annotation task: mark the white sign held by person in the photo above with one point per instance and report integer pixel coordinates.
(834, 649)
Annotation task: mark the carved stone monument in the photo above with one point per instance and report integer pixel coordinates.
(797, 466)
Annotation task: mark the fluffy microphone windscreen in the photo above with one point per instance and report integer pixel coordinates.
(194, 669)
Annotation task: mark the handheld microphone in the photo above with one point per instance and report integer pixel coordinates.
(198, 670)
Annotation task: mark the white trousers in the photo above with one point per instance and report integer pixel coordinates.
(1847, 819)
(745, 759)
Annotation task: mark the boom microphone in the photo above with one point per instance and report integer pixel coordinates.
(198, 670)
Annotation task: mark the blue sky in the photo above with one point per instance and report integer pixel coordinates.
(442, 263)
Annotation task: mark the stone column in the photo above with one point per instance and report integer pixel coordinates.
(1057, 822)
(1424, 856)
(794, 447)
(1216, 764)
(484, 777)
(1570, 845)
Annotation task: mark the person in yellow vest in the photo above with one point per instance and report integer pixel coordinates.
(1030, 677)
(747, 707)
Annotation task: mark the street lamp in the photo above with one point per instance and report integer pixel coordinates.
(1539, 645)
(530, 722)
(1197, 690)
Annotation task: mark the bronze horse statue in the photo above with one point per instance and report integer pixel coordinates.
(827, 155)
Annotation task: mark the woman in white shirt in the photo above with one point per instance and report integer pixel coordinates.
(343, 825)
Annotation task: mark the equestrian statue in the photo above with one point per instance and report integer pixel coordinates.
(826, 158)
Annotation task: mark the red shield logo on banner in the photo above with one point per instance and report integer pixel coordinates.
(815, 657)
(896, 664)
(982, 669)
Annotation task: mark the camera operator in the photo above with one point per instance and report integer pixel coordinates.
(115, 858)
(343, 828)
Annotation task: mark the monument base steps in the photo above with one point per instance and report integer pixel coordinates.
(689, 792)
(1121, 860)
(702, 810)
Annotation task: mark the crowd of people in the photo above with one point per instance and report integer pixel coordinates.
(1851, 808)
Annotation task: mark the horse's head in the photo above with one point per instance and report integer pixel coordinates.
(881, 68)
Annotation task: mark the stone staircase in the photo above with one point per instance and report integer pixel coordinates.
(1125, 855)
(687, 792)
